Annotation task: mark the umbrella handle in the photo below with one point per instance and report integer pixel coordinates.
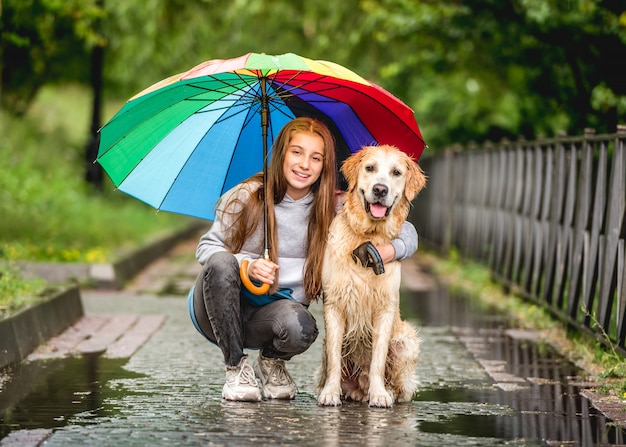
(245, 279)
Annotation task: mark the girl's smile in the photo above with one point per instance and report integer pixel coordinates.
(303, 163)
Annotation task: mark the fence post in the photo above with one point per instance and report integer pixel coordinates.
(548, 216)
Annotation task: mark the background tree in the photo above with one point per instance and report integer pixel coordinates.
(43, 42)
(484, 69)
(471, 70)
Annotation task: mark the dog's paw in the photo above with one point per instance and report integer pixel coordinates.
(356, 395)
(381, 400)
(329, 398)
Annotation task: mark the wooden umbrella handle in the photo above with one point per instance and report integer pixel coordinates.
(245, 279)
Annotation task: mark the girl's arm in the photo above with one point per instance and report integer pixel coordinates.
(403, 247)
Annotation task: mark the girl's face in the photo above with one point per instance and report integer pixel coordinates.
(303, 163)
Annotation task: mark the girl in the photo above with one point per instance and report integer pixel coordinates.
(301, 201)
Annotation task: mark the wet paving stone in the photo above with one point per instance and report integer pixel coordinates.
(480, 384)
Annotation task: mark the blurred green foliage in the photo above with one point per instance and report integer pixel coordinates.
(48, 211)
(471, 70)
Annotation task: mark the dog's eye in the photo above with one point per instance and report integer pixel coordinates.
(396, 173)
(369, 168)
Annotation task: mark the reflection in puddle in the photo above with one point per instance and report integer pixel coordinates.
(46, 393)
(532, 379)
(470, 425)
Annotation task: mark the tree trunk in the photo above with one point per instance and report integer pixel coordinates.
(93, 172)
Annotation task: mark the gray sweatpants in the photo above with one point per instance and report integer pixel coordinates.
(281, 329)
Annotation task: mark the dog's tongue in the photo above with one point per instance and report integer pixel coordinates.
(378, 210)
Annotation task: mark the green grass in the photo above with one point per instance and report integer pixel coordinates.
(48, 212)
(17, 292)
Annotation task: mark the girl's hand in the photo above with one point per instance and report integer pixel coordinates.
(263, 270)
(386, 251)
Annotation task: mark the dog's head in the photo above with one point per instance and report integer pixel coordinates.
(383, 177)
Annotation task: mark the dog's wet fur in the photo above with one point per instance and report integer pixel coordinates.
(370, 354)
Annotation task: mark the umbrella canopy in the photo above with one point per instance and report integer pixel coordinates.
(184, 141)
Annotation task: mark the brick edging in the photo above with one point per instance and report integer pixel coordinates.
(128, 267)
(25, 330)
(110, 276)
(22, 332)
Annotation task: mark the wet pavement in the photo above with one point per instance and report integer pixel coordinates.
(481, 383)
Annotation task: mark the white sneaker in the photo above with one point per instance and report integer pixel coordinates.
(276, 382)
(241, 384)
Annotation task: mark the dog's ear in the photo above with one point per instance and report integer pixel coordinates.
(415, 180)
(350, 168)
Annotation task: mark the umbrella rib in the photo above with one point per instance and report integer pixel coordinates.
(237, 95)
(236, 88)
(287, 88)
(222, 118)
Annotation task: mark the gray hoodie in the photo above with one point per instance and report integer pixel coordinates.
(292, 219)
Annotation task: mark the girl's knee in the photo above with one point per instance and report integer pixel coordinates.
(221, 259)
(220, 265)
(298, 332)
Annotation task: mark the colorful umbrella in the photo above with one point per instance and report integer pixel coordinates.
(183, 142)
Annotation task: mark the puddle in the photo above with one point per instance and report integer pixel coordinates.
(46, 394)
(539, 388)
(481, 384)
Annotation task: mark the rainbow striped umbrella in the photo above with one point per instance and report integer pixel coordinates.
(184, 141)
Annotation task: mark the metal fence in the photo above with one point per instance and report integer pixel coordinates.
(546, 216)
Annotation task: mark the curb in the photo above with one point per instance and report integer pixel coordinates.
(127, 267)
(109, 276)
(23, 332)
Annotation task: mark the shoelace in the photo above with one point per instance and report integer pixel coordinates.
(278, 373)
(246, 375)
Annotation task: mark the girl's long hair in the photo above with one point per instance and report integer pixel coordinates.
(247, 218)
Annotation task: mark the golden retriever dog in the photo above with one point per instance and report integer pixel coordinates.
(369, 353)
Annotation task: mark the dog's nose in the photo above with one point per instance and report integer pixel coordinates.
(380, 190)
